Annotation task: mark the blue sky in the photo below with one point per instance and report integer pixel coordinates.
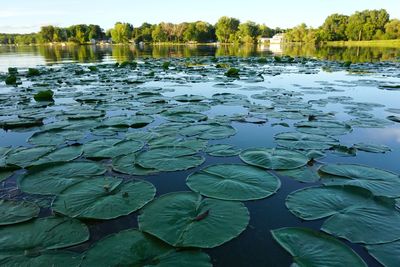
(22, 16)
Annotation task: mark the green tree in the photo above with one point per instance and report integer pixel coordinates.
(46, 34)
(364, 25)
(159, 34)
(143, 33)
(392, 29)
(226, 28)
(122, 32)
(334, 28)
(248, 32)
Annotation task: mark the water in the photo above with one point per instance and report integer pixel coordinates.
(30, 56)
(255, 246)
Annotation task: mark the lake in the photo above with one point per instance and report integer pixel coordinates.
(289, 119)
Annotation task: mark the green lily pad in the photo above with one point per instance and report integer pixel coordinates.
(223, 150)
(209, 131)
(190, 221)
(323, 127)
(48, 258)
(182, 116)
(64, 154)
(54, 178)
(134, 248)
(387, 254)
(104, 198)
(189, 98)
(233, 182)
(379, 182)
(303, 141)
(275, 159)
(23, 156)
(169, 159)
(110, 148)
(127, 164)
(372, 148)
(353, 213)
(303, 174)
(314, 249)
(41, 235)
(17, 211)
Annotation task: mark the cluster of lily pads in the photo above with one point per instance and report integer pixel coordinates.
(106, 128)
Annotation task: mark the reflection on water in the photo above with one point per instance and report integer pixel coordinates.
(28, 56)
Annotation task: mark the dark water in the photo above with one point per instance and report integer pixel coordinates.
(30, 56)
(255, 246)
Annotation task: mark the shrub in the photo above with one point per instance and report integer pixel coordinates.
(46, 95)
(33, 72)
(11, 79)
(232, 72)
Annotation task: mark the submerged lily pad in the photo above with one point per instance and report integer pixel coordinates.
(303, 174)
(39, 236)
(190, 221)
(353, 213)
(275, 159)
(169, 158)
(17, 211)
(233, 182)
(134, 248)
(104, 198)
(372, 148)
(314, 249)
(379, 182)
(54, 178)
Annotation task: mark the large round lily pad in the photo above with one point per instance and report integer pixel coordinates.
(327, 127)
(25, 156)
(275, 159)
(184, 219)
(314, 249)
(37, 236)
(303, 174)
(127, 164)
(47, 258)
(134, 248)
(63, 154)
(379, 182)
(169, 158)
(17, 211)
(109, 148)
(353, 213)
(54, 178)
(209, 131)
(104, 198)
(233, 182)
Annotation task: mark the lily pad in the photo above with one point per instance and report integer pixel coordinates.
(127, 164)
(233, 182)
(40, 235)
(223, 150)
(54, 178)
(314, 249)
(301, 141)
(379, 182)
(323, 127)
(209, 131)
(190, 221)
(372, 148)
(17, 211)
(303, 174)
(169, 159)
(64, 154)
(353, 213)
(110, 148)
(104, 198)
(48, 258)
(275, 159)
(134, 248)
(387, 254)
(23, 156)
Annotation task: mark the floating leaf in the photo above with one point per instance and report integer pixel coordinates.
(303, 141)
(387, 254)
(223, 150)
(61, 155)
(104, 198)
(379, 182)
(190, 221)
(275, 159)
(127, 164)
(372, 148)
(233, 182)
(169, 159)
(54, 178)
(17, 211)
(314, 249)
(134, 248)
(110, 148)
(353, 213)
(23, 156)
(302, 174)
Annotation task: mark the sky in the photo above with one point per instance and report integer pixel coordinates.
(24, 16)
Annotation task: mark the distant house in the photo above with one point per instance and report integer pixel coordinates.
(276, 39)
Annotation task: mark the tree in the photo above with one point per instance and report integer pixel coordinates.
(247, 32)
(334, 28)
(122, 32)
(158, 34)
(365, 24)
(226, 28)
(46, 34)
(143, 33)
(95, 32)
(392, 29)
(265, 31)
(199, 31)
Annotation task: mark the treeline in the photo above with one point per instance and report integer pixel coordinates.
(226, 30)
(360, 26)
